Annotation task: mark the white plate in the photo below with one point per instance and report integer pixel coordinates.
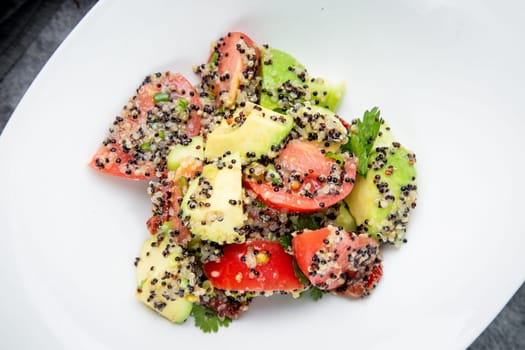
(448, 78)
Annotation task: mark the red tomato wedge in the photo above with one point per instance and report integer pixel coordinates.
(236, 61)
(254, 266)
(127, 151)
(304, 161)
(333, 259)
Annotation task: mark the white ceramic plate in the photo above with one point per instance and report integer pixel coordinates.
(449, 79)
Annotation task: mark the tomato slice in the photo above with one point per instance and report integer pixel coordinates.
(111, 159)
(305, 168)
(255, 266)
(125, 152)
(333, 259)
(237, 61)
(185, 89)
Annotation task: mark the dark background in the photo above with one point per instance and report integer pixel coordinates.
(31, 30)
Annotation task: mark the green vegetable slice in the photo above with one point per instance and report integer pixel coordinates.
(161, 97)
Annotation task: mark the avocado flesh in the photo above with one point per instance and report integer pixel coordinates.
(261, 131)
(212, 207)
(286, 82)
(195, 149)
(382, 202)
(345, 219)
(158, 257)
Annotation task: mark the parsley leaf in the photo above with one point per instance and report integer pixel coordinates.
(300, 275)
(360, 144)
(316, 293)
(207, 320)
(286, 241)
(301, 222)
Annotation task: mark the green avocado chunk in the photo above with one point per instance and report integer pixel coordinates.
(252, 131)
(382, 202)
(286, 82)
(178, 152)
(161, 256)
(345, 219)
(212, 207)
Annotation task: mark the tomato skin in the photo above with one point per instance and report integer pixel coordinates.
(304, 158)
(117, 159)
(230, 61)
(351, 263)
(344, 122)
(305, 245)
(111, 159)
(275, 274)
(145, 99)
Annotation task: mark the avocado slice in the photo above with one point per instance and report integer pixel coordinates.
(212, 207)
(345, 219)
(316, 123)
(195, 149)
(382, 202)
(160, 257)
(286, 82)
(252, 131)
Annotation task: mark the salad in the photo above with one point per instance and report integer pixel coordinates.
(257, 185)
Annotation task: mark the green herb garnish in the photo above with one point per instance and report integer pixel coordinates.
(146, 146)
(300, 275)
(207, 320)
(183, 103)
(286, 241)
(301, 222)
(183, 182)
(360, 144)
(161, 97)
(316, 293)
(214, 59)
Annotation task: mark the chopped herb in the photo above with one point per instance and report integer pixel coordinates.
(161, 97)
(183, 182)
(301, 222)
(183, 103)
(271, 173)
(141, 284)
(214, 59)
(316, 293)
(207, 320)
(162, 134)
(146, 146)
(337, 157)
(300, 275)
(360, 144)
(259, 204)
(286, 241)
(220, 111)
